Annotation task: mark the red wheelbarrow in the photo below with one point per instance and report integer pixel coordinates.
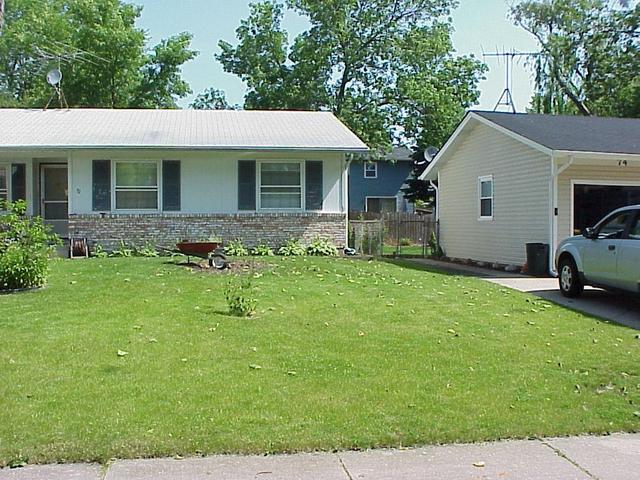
(212, 251)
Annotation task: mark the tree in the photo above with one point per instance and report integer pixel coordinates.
(590, 55)
(106, 62)
(212, 99)
(161, 75)
(375, 63)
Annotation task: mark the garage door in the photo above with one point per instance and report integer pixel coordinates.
(592, 202)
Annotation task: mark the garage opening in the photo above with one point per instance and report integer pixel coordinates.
(592, 202)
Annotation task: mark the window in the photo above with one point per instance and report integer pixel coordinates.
(370, 170)
(136, 185)
(4, 187)
(634, 232)
(614, 228)
(485, 192)
(280, 186)
(381, 204)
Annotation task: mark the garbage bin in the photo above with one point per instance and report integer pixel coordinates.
(538, 259)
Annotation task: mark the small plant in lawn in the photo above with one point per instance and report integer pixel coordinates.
(98, 251)
(293, 248)
(239, 295)
(25, 245)
(262, 250)
(322, 248)
(122, 251)
(236, 248)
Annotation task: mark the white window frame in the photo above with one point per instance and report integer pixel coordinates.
(375, 170)
(481, 180)
(157, 188)
(301, 164)
(7, 168)
(366, 201)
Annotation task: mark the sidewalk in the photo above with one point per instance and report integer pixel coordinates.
(615, 457)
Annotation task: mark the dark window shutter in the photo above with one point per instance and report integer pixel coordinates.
(18, 181)
(101, 185)
(313, 180)
(171, 185)
(246, 185)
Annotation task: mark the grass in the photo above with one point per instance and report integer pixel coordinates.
(404, 250)
(342, 354)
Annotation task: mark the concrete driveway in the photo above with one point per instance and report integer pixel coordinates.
(618, 308)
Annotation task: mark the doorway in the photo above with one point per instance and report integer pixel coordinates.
(54, 197)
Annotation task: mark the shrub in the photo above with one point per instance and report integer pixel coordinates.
(98, 251)
(405, 242)
(293, 248)
(236, 248)
(147, 250)
(322, 248)
(262, 250)
(25, 246)
(434, 246)
(239, 295)
(122, 251)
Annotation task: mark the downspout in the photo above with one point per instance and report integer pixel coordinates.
(344, 195)
(435, 187)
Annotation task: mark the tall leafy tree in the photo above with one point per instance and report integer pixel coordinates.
(107, 64)
(212, 99)
(161, 74)
(374, 63)
(590, 55)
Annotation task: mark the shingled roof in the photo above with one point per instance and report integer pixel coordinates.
(175, 129)
(572, 133)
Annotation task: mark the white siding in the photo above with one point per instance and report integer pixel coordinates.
(521, 206)
(600, 174)
(209, 180)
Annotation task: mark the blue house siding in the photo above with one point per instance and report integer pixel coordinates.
(390, 178)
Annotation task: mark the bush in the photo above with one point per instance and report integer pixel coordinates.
(122, 251)
(434, 246)
(406, 242)
(262, 250)
(293, 248)
(239, 295)
(147, 250)
(98, 251)
(322, 248)
(25, 246)
(236, 248)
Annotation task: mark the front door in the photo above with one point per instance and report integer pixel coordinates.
(54, 200)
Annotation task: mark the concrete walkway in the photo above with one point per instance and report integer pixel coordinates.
(622, 309)
(615, 457)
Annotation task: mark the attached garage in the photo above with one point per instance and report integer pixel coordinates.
(543, 177)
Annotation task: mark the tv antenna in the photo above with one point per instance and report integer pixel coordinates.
(62, 54)
(506, 99)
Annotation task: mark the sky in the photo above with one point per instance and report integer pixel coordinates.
(480, 25)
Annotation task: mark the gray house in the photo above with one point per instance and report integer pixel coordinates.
(165, 175)
(508, 179)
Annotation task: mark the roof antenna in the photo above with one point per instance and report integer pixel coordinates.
(506, 99)
(60, 53)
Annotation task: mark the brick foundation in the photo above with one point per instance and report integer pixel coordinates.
(273, 229)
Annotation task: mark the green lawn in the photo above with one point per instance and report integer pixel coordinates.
(352, 354)
(404, 250)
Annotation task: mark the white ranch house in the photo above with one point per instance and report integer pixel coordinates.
(506, 179)
(165, 175)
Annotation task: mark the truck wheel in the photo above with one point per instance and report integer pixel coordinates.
(569, 278)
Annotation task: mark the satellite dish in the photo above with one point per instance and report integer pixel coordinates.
(430, 153)
(54, 77)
